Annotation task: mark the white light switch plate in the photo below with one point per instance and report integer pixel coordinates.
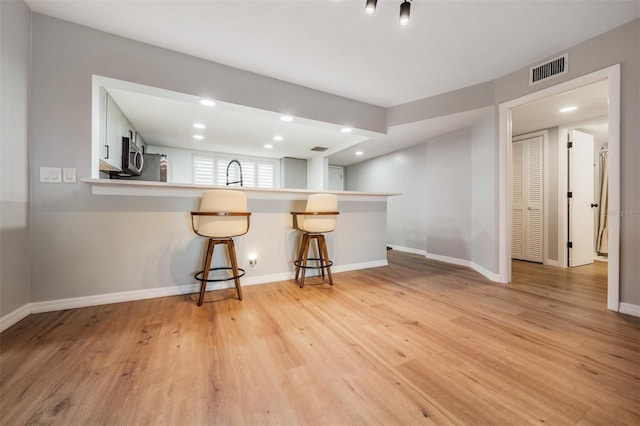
(69, 175)
(50, 174)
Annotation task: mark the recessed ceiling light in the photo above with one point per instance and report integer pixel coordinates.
(359, 153)
(199, 125)
(268, 146)
(198, 137)
(346, 130)
(569, 109)
(278, 138)
(207, 102)
(286, 118)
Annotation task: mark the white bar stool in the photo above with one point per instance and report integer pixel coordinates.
(223, 215)
(318, 218)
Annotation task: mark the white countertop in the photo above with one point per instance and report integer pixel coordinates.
(166, 189)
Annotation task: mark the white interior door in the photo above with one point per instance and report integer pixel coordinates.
(582, 200)
(336, 178)
(517, 201)
(527, 196)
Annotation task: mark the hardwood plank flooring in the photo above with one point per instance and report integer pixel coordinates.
(416, 342)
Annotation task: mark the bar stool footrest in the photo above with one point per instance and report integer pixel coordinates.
(198, 276)
(327, 263)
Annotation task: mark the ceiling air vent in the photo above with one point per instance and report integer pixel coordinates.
(319, 148)
(547, 70)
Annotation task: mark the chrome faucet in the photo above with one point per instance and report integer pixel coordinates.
(239, 167)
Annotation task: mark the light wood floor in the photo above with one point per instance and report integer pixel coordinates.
(417, 342)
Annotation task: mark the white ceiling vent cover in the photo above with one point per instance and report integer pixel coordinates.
(550, 69)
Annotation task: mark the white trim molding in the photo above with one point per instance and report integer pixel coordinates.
(447, 259)
(130, 296)
(629, 309)
(485, 272)
(14, 317)
(408, 250)
(467, 263)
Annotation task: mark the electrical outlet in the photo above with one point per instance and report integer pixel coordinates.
(253, 263)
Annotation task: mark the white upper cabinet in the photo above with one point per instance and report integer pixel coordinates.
(113, 126)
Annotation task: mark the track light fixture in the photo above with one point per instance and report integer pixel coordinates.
(405, 10)
(370, 7)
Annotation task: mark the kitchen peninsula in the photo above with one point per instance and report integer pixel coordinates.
(162, 253)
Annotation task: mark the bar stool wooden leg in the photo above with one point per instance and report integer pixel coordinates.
(300, 253)
(231, 248)
(323, 259)
(325, 256)
(207, 265)
(305, 256)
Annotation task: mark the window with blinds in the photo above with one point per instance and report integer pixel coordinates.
(211, 170)
(203, 170)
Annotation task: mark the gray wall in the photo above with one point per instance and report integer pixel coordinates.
(434, 212)
(448, 183)
(401, 172)
(87, 245)
(466, 99)
(293, 172)
(15, 39)
(552, 196)
(484, 200)
(620, 45)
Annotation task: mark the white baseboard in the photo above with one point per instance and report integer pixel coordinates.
(356, 266)
(549, 262)
(469, 264)
(129, 296)
(629, 309)
(487, 274)
(262, 279)
(408, 250)
(104, 299)
(447, 259)
(14, 317)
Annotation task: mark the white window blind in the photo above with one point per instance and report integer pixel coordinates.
(209, 170)
(265, 175)
(203, 170)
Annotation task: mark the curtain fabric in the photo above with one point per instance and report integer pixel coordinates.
(602, 242)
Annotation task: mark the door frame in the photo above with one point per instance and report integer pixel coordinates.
(612, 75)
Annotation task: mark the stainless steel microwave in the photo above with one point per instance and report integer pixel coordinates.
(132, 158)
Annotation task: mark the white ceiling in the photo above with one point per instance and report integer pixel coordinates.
(331, 45)
(166, 121)
(406, 135)
(591, 100)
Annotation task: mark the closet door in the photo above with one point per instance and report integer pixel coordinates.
(526, 195)
(517, 201)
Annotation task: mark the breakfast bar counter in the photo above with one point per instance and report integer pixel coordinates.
(168, 250)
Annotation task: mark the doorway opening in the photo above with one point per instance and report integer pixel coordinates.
(611, 78)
